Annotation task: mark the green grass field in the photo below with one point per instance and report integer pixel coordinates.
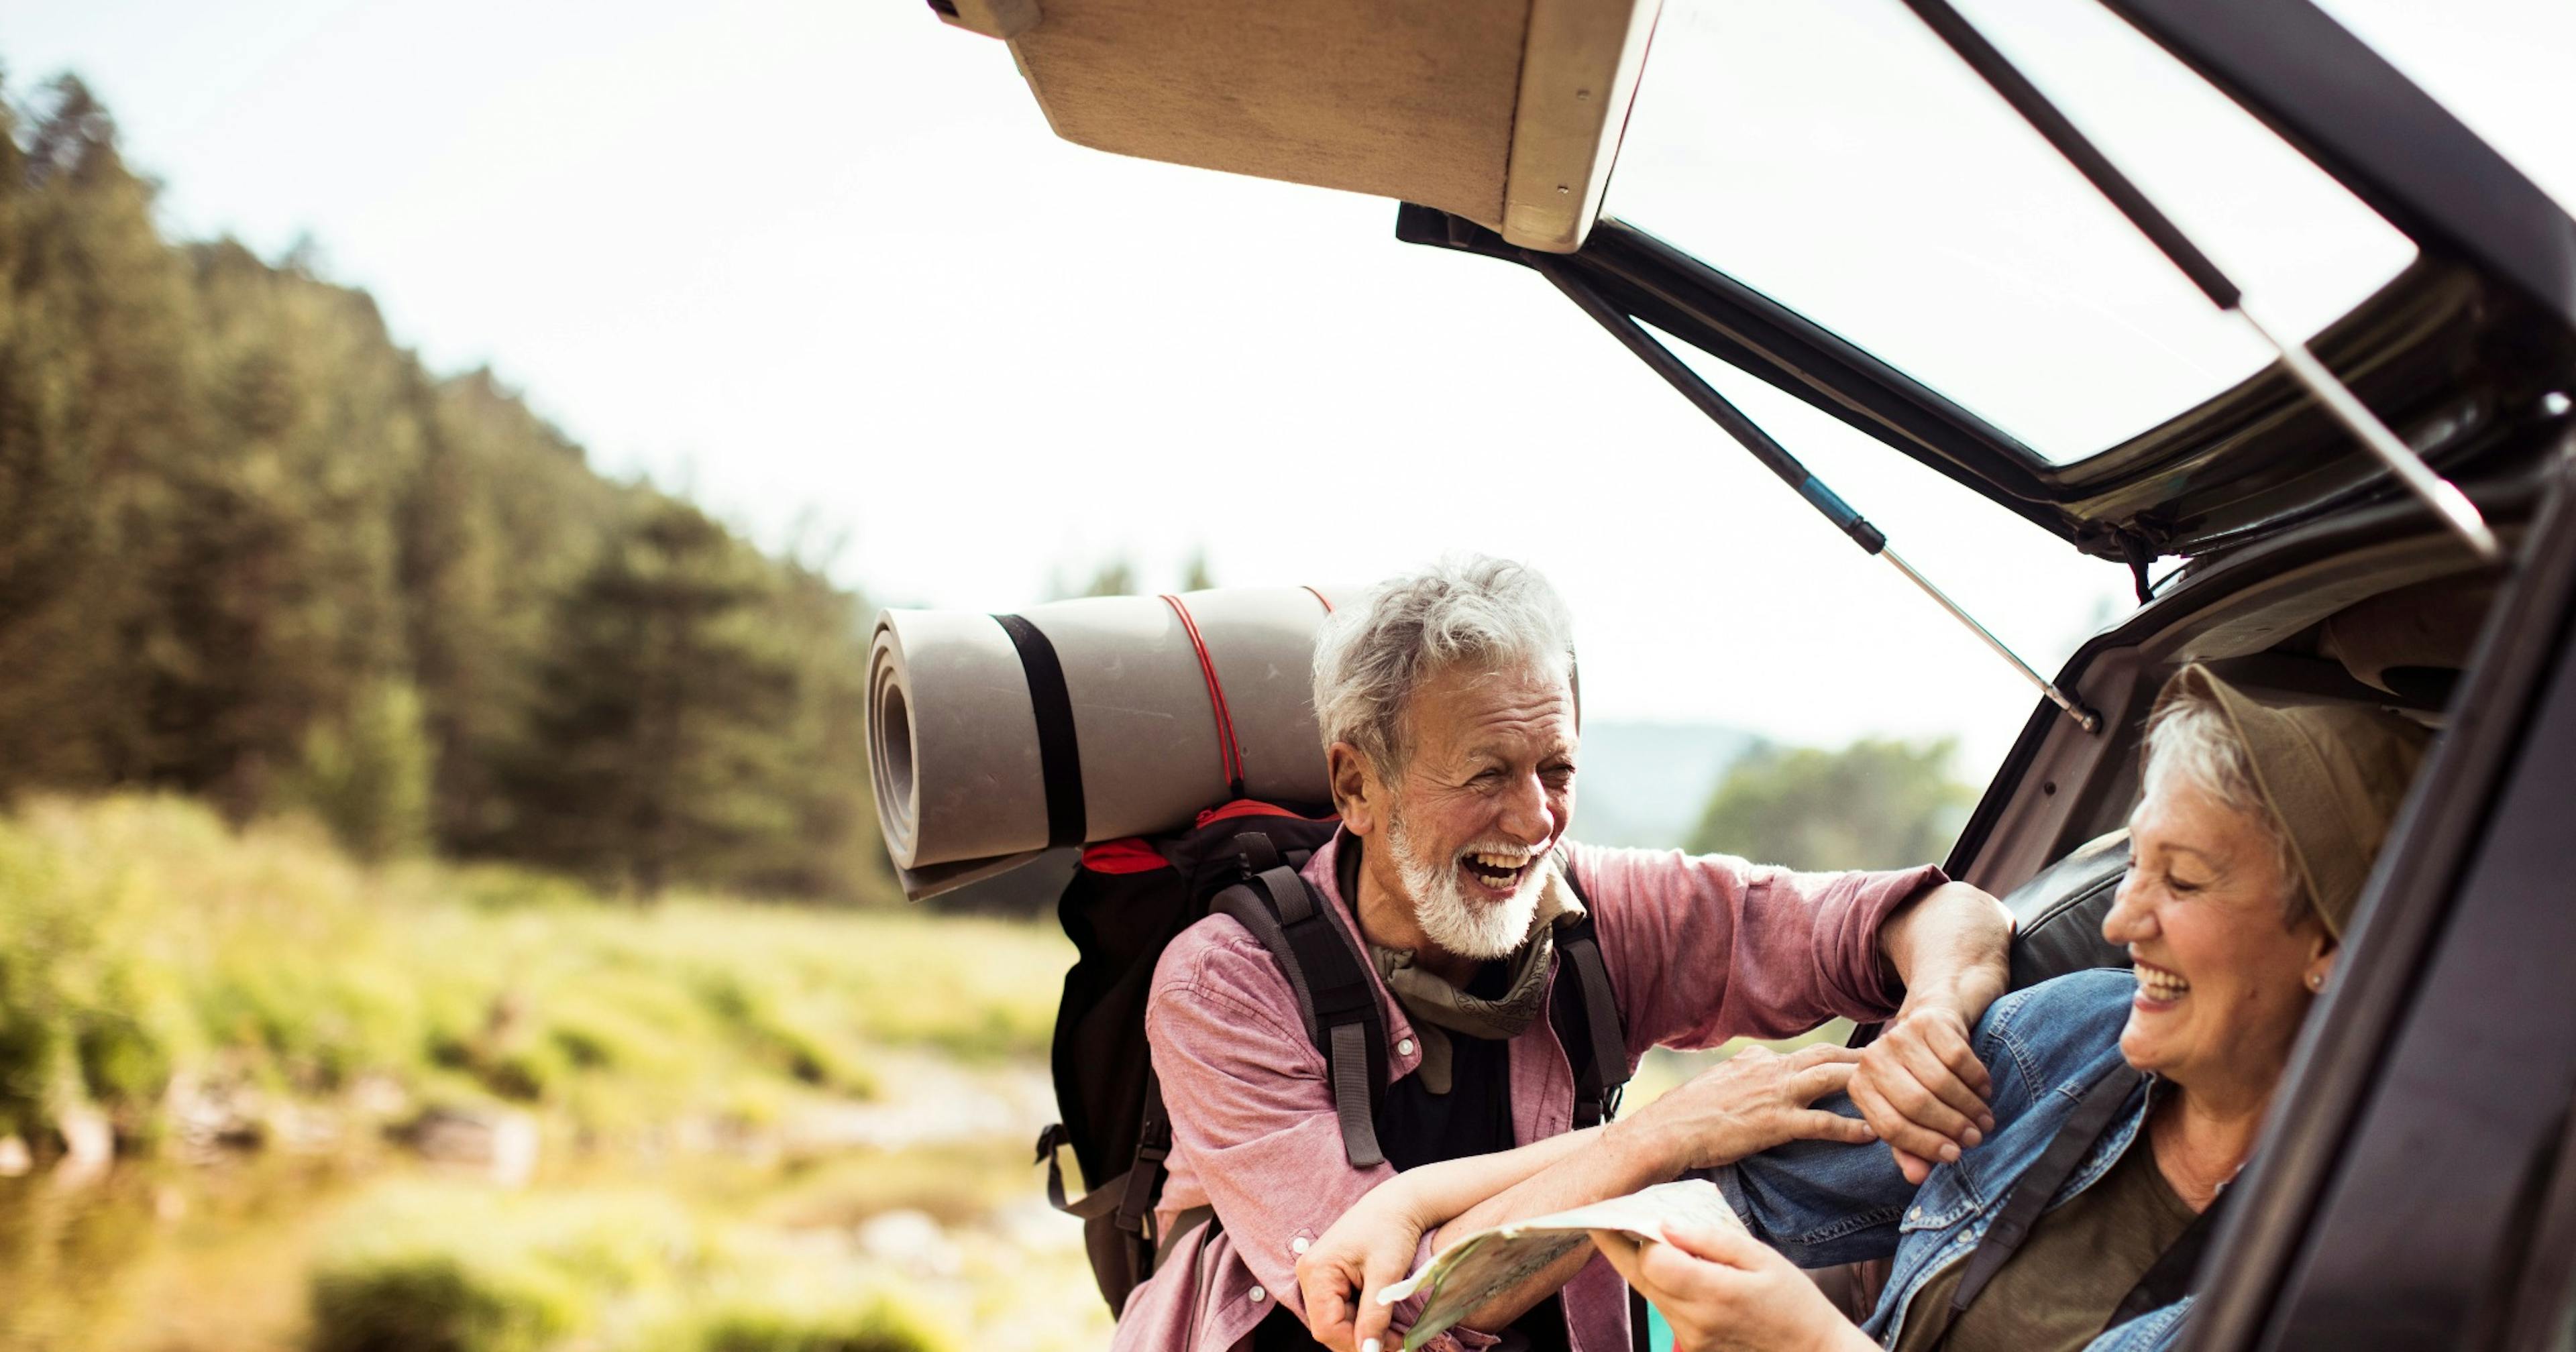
(156, 967)
(142, 942)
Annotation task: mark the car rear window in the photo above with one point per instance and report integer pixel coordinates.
(1836, 156)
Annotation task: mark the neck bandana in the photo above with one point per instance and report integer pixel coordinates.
(1439, 1008)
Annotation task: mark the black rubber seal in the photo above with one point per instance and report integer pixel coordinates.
(1059, 754)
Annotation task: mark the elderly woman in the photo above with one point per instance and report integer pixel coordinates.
(2124, 1105)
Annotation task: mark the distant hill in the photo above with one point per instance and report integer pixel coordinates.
(1647, 783)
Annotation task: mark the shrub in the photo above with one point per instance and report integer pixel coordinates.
(367, 774)
(768, 1296)
(436, 1302)
(419, 1269)
(424, 1269)
(877, 1326)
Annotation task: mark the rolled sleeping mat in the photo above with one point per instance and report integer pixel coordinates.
(994, 737)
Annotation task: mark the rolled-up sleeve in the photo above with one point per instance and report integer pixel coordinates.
(1703, 948)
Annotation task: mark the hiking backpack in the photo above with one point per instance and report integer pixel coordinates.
(1128, 900)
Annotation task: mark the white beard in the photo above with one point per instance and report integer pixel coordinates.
(1460, 924)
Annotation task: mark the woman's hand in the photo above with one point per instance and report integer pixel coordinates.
(1338, 1276)
(1725, 1291)
(1746, 1104)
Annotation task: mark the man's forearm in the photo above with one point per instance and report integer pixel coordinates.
(1629, 1154)
(1948, 946)
(1452, 1188)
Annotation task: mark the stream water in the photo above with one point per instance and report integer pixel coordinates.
(930, 1189)
(165, 1256)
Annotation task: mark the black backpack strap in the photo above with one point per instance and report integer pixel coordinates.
(1601, 1069)
(1110, 1198)
(1335, 995)
(1144, 1180)
(1126, 1201)
(1596, 1040)
(1053, 1138)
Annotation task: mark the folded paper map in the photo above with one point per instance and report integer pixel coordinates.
(1461, 1278)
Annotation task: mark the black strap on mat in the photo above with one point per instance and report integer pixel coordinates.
(2030, 1195)
(1059, 753)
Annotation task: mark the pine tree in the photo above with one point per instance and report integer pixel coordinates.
(660, 748)
(96, 395)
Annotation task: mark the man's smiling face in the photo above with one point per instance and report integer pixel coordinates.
(1484, 794)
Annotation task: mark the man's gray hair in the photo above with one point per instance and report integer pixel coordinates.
(1468, 609)
(2191, 740)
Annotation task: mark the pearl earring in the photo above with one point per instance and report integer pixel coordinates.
(2316, 981)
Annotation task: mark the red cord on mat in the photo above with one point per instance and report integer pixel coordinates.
(1328, 605)
(1229, 755)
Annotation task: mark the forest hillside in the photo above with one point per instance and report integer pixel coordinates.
(256, 552)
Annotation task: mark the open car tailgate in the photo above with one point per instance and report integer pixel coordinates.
(1502, 112)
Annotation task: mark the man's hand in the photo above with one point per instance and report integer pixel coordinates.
(1339, 1275)
(1725, 1291)
(1744, 1105)
(1921, 1087)
(1920, 1084)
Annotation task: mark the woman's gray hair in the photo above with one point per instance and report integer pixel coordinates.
(1371, 656)
(2190, 740)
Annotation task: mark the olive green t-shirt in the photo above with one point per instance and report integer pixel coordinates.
(2079, 1262)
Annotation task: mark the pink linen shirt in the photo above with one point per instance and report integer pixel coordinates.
(1700, 949)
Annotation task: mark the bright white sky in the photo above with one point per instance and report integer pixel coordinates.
(821, 260)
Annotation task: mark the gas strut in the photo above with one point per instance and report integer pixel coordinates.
(1777, 459)
(2438, 493)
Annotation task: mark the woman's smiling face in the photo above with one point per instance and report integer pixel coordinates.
(2223, 976)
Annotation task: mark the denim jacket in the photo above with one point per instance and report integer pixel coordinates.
(1822, 1203)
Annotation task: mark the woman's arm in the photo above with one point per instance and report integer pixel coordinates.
(1725, 1291)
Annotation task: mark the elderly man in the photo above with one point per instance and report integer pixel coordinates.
(1447, 708)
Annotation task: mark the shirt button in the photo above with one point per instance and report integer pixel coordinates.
(1297, 1245)
(1257, 1295)
(1404, 1047)
(1915, 1215)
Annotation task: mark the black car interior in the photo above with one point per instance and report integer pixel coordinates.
(2402, 649)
